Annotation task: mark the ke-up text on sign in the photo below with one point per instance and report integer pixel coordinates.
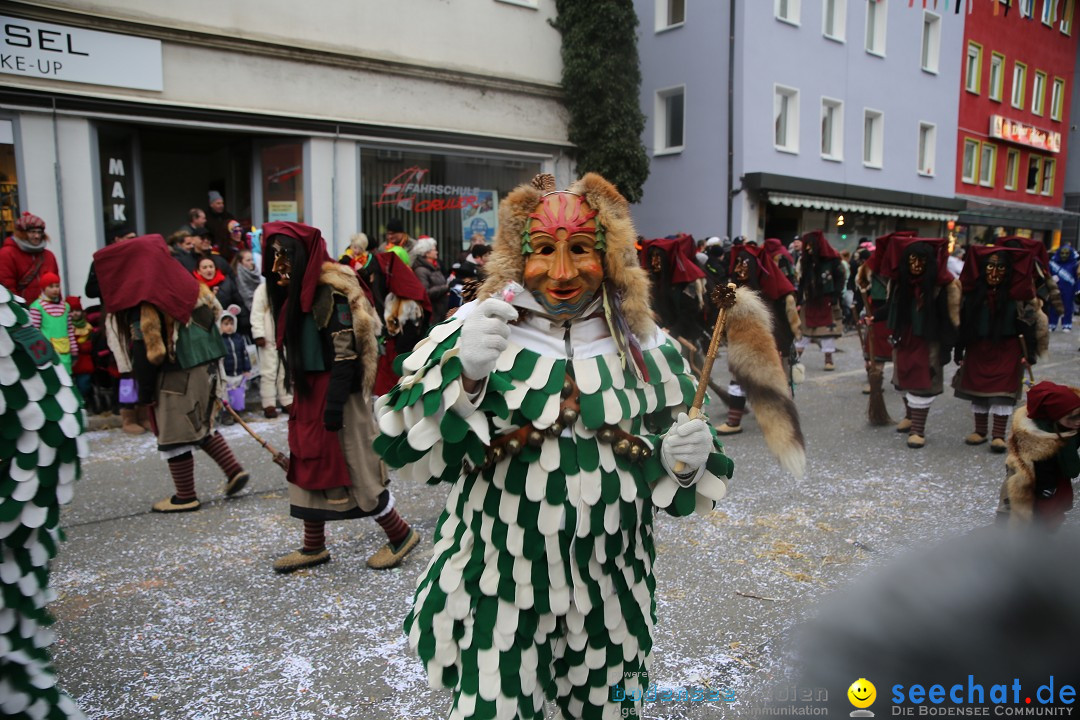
(1023, 134)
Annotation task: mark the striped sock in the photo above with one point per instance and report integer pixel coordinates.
(1000, 422)
(918, 421)
(182, 469)
(216, 447)
(981, 419)
(314, 535)
(734, 416)
(394, 526)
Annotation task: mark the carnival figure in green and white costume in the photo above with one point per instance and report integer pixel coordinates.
(557, 411)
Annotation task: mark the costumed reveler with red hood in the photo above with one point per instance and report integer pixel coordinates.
(821, 283)
(923, 314)
(998, 310)
(754, 267)
(1044, 457)
(1046, 287)
(168, 321)
(557, 411)
(327, 331)
(875, 289)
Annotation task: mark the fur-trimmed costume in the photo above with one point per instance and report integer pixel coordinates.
(821, 283)
(41, 423)
(1042, 461)
(541, 582)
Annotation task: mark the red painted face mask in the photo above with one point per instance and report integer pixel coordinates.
(565, 265)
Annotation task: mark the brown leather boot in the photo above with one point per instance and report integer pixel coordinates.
(130, 422)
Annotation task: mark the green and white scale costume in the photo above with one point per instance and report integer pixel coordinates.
(541, 581)
(41, 423)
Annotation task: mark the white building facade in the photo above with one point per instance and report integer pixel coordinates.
(338, 114)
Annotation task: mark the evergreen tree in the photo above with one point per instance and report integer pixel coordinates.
(602, 80)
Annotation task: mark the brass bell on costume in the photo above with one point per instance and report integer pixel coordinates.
(555, 429)
(621, 447)
(606, 435)
(535, 438)
(513, 446)
(568, 416)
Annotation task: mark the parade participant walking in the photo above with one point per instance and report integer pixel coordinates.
(328, 332)
(821, 281)
(37, 476)
(271, 370)
(169, 324)
(998, 310)
(558, 413)
(1043, 457)
(923, 314)
(24, 258)
(51, 314)
(753, 267)
(874, 289)
(1063, 267)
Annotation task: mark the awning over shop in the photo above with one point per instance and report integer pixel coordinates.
(854, 206)
(982, 211)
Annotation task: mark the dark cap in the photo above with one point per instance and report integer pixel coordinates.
(395, 225)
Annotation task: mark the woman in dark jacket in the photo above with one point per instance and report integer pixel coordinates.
(425, 255)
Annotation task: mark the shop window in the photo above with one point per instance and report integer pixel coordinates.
(453, 198)
(1012, 169)
(971, 161)
(834, 15)
(787, 10)
(1034, 172)
(987, 164)
(283, 181)
(832, 129)
(9, 179)
(931, 41)
(670, 120)
(927, 147)
(1048, 176)
(873, 138)
(670, 14)
(997, 76)
(973, 67)
(1038, 93)
(786, 119)
(877, 12)
(1019, 81)
(1057, 92)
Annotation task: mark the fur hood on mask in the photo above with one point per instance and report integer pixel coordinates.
(506, 262)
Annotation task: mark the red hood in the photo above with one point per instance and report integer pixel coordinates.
(142, 270)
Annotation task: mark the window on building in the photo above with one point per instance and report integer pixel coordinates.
(1067, 17)
(1019, 81)
(927, 147)
(931, 41)
(971, 161)
(1034, 171)
(1048, 176)
(997, 76)
(786, 119)
(834, 14)
(1038, 93)
(1049, 12)
(973, 67)
(670, 13)
(9, 179)
(873, 138)
(832, 129)
(1057, 92)
(987, 164)
(1012, 169)
(670, 120)
(1027, 8)
(787, 10)
(877, 12)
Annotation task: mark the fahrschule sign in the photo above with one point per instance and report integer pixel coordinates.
(60, 52)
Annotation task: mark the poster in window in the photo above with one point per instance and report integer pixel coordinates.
(480, 219)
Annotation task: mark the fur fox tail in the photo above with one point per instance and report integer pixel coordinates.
(755, 363)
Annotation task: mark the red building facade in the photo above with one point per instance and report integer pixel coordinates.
(1015, 93)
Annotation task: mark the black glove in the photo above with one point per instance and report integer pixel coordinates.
(333, 419)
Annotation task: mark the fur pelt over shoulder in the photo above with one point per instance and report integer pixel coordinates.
(756, 366)
(621, 266)
(153, 335)
(1027, 445)
(366, 324)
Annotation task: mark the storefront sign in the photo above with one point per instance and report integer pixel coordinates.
(117, 181)
(1024, 134)
(403, 189)
(59, 52)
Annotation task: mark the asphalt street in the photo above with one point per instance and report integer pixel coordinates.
(182, 617)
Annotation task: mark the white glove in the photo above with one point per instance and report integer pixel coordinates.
(484, 336)
(689, 442)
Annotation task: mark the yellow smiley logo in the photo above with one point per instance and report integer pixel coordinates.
(862, 693)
